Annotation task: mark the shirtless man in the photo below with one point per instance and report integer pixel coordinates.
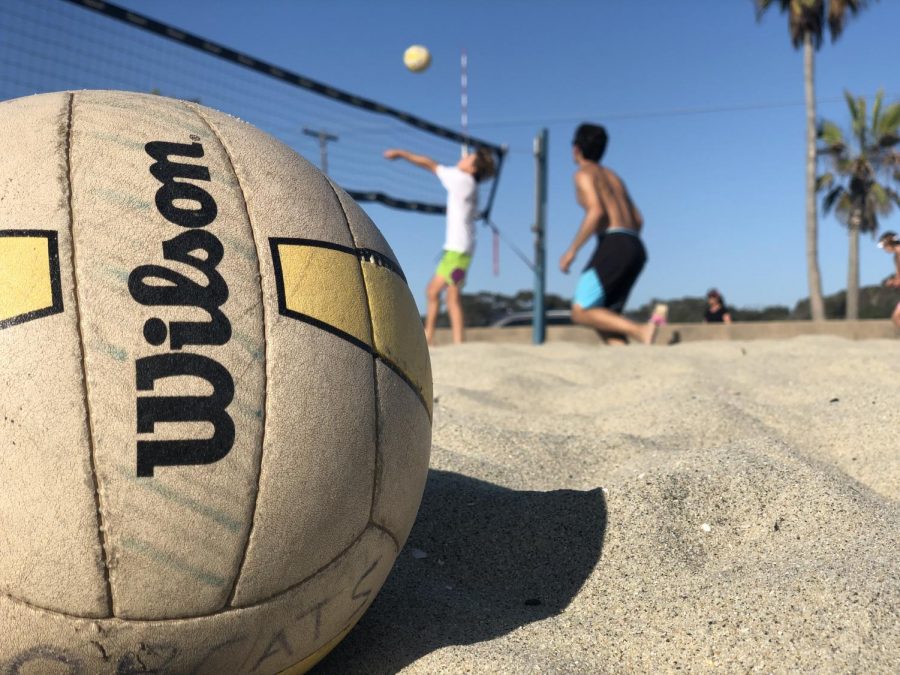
(619, 257)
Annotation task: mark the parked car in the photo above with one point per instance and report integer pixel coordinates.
(553, 317)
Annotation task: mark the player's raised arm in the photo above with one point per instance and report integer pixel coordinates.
(420, 161)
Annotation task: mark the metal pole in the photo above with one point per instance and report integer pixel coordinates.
(324, 138)
(539, 318)
(464, 99)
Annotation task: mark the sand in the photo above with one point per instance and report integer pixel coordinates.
(728, 507)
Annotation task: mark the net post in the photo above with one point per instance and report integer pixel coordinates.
(540, 218)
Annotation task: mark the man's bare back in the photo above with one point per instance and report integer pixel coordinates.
(612, 219)
(595, 183)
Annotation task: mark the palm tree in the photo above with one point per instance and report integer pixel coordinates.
(807, 20)
(851, 188)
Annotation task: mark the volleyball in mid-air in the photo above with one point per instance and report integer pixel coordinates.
(417, 58)
(215, 413)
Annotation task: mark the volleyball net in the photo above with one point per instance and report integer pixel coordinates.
(54, 45)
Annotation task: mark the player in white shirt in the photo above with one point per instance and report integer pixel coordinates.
(461, 182)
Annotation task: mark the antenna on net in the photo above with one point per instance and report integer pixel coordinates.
(464, 100)
(465, 148)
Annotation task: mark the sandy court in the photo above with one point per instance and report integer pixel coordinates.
(731, 506)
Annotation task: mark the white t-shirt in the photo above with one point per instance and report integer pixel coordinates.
(462, 208)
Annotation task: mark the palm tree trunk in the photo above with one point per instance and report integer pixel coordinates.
(853, 275)
(816, 302)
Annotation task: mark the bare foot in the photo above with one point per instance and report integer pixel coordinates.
(649, 329)
(648, 333)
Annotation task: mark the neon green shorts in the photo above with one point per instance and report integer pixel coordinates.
(453, 267)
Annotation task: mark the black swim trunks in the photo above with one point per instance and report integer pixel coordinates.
(613, 268)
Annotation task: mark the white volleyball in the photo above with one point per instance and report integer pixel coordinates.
(215, 400)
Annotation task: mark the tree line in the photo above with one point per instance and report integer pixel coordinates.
(485, 308)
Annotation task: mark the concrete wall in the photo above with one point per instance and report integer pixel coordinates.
(693, 332)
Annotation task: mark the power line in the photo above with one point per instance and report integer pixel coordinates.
(646, 114)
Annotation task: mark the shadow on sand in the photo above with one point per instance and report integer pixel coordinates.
(496, 559)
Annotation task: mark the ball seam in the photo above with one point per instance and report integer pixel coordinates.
(379, 463)
(102, 530)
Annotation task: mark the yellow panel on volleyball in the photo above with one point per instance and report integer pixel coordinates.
(324, 285)
(25, 275)
(398, 327)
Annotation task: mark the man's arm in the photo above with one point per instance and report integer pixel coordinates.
(420, 161)
(593, 215)
(897, 264)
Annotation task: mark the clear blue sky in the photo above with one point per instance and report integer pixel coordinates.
(722, 192)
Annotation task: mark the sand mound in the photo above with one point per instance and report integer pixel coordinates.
(729, 506)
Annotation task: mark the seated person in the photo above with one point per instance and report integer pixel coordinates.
(716, 311)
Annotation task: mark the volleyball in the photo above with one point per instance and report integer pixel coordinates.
(417, 58)
(215, 414)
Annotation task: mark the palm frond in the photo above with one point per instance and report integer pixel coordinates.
(833, 143)
(876, 111)
(844, 165)
(838, 11)
(805, 17)
(824, 182)
(869, 209)
(843, 208)
(890, 120)
(886, 141)
(829, 200)
(830, 133)
(880, 201)
(869, 223)
(851, 104)
(763, 5)
(893, 195)
(860, 123)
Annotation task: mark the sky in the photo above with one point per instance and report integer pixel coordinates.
(703, 104)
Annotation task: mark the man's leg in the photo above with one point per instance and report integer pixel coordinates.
(433, 296)
(588, 309)
(895, 317)
(615, 339)
(607, 321)
(455, 311)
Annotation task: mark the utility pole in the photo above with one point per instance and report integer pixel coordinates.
(324, 138)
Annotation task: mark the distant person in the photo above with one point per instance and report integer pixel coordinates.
(461, 182)
(614, 266)
(716, 310)
(890, 242)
